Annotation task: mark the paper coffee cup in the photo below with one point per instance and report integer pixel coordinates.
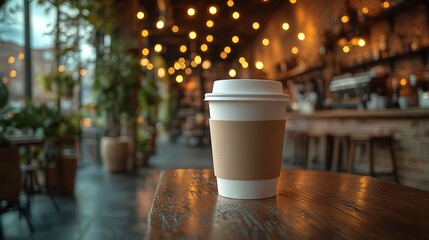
(247, 126)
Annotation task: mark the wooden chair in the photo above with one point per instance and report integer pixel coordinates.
(340, 145)
(369, 142)
(10, 186)
(317, 146)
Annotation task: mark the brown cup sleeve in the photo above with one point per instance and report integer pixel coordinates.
(247, 150)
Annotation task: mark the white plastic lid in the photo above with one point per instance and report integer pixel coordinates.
(247, 90)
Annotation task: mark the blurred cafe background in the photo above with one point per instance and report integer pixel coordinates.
(96, 97)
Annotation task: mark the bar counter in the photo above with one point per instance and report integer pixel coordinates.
(410, 128)
(346, 113)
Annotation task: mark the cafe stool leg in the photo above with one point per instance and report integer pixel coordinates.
(394, 167)
(310, 152)
(352, 154)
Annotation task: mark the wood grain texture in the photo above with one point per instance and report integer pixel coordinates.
(308, 205)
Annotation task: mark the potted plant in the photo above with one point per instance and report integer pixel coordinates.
(115, 78)
(63, 81)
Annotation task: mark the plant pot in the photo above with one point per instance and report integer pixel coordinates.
(114, 153)
(66, 175)
(10, 174)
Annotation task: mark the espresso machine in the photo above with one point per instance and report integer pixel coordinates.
(364, 90)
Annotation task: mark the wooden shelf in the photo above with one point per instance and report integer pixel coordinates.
(391, 59)
(293, 74)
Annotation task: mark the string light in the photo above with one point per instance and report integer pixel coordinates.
(209, 23)
(292, 1)
(236, 15)
(365, 10)
(345, 19)
(197, 59)
(21, 56)
(241, 60)
(188, 71)
(285, 26)
(232, 72)
(235, 39)
(11, 60)
(265, 41)
(144, 62)
(145, 33)
(192, 35)
(259, 65)
(206, 64)
(149, 66)
(171, 70)
(145, 51)
(209, 38)
(245, 65)
(294, 50)
(301, 36)
(346, 49)
(175, 28)
(83, 72)
(183, 48)
(223, 55)
(61, 68)
(161, 72)
(230, 3)
(158, 48)
(179, 78)
(227, 49)
(204, 47)
(140, 15)
(12, 73)
(255, 25)
(160, 24)
(212, 10)
(191, 11)
(361, 42)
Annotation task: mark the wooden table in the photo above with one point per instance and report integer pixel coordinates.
(308, 205)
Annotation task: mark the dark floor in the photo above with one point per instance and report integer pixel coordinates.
(105, 206)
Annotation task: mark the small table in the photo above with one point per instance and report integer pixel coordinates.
(308, 205)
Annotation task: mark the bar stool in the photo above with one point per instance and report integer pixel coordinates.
(317, 142)
(340, 145)
(369, 142)
(297, 146)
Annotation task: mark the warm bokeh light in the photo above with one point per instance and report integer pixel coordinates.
(259, 65)
(209, 38)
(285, 26)
(232, 72)
(294, 50)
(204, 47)
(188, 71)
(12, 73)
(183, 48)
(235, 39)
(149, 66)
(292, 1)
(145, 33)
(301, 36)
(4, 80)
(161, 72)
(11, 60)
(145, 51)
(21, 56)
(241, 60)
(144, 62)
(175, 28)
(206, 64)
(171, 70)
(227, 49)
(365, 10)
(181, 60)
(342, 42)
(176, 65)
(86, 122)
(83, 72)
(198, 59)
(345, 19)
(230, 3)
(385, 4)
(61, 68)
(213, 9)
(255, 25)
(160, 24)
(179, 78)
(194, 64)
(245, 65)
(209, 23)
(192, 35)
(223, 55)
(236, 15)
(346, 49)
(403, 82)
(361, 42)
(265, 41)
(158, 47)
(191, 11)
(182, 66)
(140, 15)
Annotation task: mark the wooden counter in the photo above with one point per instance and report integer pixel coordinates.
(308, 205)
(385, 113)
(409, 127)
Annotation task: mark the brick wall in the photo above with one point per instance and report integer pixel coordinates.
(313, 18)
(411, 143)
